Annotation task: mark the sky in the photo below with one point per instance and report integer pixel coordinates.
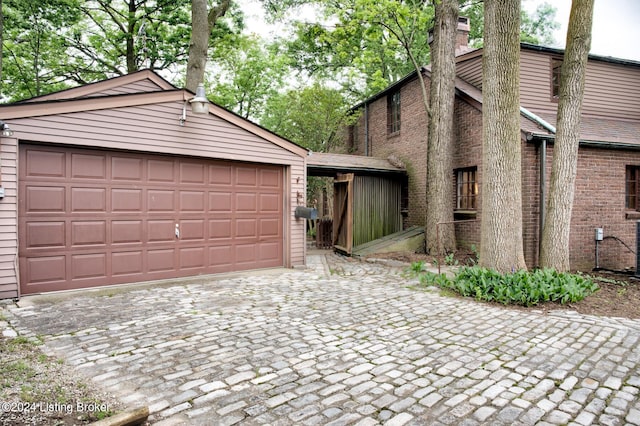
(616, 25)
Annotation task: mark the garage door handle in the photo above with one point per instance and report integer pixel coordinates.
(177, 231)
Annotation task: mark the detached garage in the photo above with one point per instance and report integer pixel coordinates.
(119, 182)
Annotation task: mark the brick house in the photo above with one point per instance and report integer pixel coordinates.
(393, 122)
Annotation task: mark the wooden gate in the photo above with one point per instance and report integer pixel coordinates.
(343, 213)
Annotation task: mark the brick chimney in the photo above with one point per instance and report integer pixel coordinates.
(462, 37)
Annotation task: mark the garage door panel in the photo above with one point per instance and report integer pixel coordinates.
(162, 230)
(48, 269)
(161, 171)
(88, 200)
(85, 166)
(88, 233)
(245, 253)
(161, 200)
(270, 228)
(44, 163)
(192, 229)
(45, 234)
(192, 173)
(246, 202)
(92, 265)
(127, 263)
(126, 200)
(92, 217)
(220, 202)
(220, 257)
(220, 229)
(268, 252)
(246, 228)
(41, 199)
(270, 179)
(270, 203)
(246, 176)
(162, 260)
(192, 201)
(127, 169)
(192, 258)
(220, 175)
(126, 231)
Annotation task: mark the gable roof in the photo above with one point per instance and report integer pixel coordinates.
(594, 131)
(136, 82)
(140, 88)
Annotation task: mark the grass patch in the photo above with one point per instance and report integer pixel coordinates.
(526, 288)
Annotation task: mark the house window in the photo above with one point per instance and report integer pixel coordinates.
(393, 113)
(556, 68)
(632, 187)
(467, 189)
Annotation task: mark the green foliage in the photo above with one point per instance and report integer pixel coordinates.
(34, 41)
(450, 259)
(518, 288)
(429, 279)
(248, 74)
(536, 28)
(313, 116)
(367, 46)
(417, 267)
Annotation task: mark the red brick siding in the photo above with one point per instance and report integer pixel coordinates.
(409, 144)
(600, 181)
(468, 153)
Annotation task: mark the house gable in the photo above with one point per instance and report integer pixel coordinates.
(137, 82)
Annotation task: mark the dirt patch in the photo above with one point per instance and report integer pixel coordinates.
(618, 296)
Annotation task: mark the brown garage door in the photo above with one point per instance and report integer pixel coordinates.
(90, 218)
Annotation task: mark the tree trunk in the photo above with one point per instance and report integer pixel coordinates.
(501, 230)
(440, 193)
(554, 250)
(130, 35)
(202, 22)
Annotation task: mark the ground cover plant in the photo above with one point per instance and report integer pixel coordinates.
(39, 389)
(526, 288)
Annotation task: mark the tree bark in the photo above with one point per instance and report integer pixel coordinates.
(501, 229)
(554, 250)
(440, 191)
(202, 22)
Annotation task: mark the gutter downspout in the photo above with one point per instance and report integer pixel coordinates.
(543, 171)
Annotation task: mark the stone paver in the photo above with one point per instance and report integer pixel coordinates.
(342, 342)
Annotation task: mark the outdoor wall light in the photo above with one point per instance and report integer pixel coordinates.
(6, 130)
(199, 104)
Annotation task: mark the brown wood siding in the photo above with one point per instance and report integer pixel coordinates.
(135, 87)
(9, 220)
(471, 71)
(611, 90)
(156, 129)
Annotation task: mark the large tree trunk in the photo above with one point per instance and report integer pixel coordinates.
(554, 250)
(202, 23)
(440, 147)
(501, 230)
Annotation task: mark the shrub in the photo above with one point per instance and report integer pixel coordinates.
(521, 287)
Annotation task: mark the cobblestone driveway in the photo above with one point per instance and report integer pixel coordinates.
(342, 343)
